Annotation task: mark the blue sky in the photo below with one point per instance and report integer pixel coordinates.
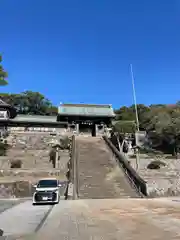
(80, 50)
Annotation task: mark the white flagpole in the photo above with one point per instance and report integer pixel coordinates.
(137, 119)
(134, 95)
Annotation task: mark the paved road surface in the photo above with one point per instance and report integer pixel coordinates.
(5, 204)
(23, 218)
(128, 219)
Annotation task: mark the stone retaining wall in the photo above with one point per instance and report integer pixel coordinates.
(163, 182)
(17, 189)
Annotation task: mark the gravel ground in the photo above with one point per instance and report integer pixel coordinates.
(160, 182)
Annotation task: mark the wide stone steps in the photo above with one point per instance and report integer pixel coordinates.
(99, 175)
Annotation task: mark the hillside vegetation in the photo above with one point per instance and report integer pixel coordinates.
(161, 122)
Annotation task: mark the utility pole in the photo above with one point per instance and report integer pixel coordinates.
(136, 112)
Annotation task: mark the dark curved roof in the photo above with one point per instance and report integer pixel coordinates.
(6, 106)
(101, 110)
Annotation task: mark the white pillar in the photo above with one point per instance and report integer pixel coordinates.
(96, 129)
(77, 128)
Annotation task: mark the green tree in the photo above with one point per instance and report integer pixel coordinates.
(124, 127)
(35, 102)
(52, 110)
(161, 122)
(3, 74)
(125, 114)
(129, 114)
(164, 122)
(30, 103)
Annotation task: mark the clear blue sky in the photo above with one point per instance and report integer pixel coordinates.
(80, 50)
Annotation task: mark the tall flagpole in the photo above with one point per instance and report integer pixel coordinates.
(134, 95)
(137, 119)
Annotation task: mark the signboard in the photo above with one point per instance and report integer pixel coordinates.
(140, 138)
(4, 115)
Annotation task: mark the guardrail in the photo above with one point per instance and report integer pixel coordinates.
(133, 176)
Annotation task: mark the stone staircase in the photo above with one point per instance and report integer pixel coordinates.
(99, 175)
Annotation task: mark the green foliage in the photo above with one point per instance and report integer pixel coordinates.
(16, 164)
(65, 142)
(157, 164)
(161, 122)
(30, 103)
(124, 127)
(3, 74)
(128, 113)
(3, 148)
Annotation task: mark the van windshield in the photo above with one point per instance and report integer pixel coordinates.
(47, 183)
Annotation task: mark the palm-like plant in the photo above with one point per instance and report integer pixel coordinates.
(3, 74)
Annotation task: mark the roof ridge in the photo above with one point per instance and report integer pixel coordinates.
(85, 105)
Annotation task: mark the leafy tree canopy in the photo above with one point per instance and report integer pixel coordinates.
(162, 123)
(3, 74)
(30, 103)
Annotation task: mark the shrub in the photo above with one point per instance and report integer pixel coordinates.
(16, 164)
(65, 143)
(157, 164)
(3, 148)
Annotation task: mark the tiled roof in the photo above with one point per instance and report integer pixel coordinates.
(86, 110)
(35, 118)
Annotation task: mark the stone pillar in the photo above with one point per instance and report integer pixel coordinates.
(77, 128)
(68, 128)
(103, 130)
(56, 158)
(96, 129)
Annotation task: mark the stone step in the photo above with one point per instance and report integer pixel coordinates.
(99, 175)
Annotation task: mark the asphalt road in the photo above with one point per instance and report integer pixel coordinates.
(22, 218)
(6, 204)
